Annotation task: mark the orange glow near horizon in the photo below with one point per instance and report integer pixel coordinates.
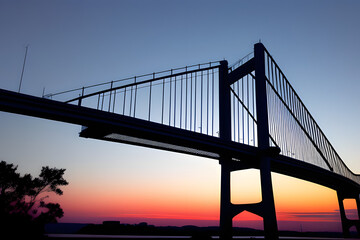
(294, 195)
(184, 200)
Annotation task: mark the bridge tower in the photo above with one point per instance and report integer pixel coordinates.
(265, 208)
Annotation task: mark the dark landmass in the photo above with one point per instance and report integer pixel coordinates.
(64, 228)
(143, 229)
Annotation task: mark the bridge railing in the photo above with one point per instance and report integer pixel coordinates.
(185, 98)
(293, 128)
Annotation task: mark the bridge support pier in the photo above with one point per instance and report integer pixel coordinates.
(264, 209)
(225, 200)
(268, 208)
(349, 223)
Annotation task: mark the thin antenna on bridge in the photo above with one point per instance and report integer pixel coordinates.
(23, 68)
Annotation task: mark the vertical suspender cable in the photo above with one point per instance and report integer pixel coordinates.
(201, 104)
(150, 100)
(136, 86)
(162, 102)
(281, 77)
(212, 111)
(195, 102)
(175, 103)
(285, 122)
(170, 99)
(253, 109)
(181, 96)
(207, 103)
(110, 95)
(124, 101)
(238, 111)
(98, 101)
(186, 98)
(114, 102)
(242, 112)
(268, 65)
(191, 83)
(102, 103)
(248, 124)
(233, 113)
(279, 82)
(131, 98)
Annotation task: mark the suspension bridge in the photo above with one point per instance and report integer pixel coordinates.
(246, 115)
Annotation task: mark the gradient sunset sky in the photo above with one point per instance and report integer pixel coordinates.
(84, 42)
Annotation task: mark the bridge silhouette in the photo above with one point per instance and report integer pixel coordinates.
(246, 115)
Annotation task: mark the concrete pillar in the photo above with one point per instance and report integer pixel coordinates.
(344, 220)
(269, 213)
(225, 201)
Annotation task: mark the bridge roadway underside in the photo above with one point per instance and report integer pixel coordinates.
(118, 128)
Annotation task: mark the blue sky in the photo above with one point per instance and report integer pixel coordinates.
(77, 43)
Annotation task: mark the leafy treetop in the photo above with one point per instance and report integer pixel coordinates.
(22, 198)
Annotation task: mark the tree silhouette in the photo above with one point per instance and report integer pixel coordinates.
(23, 210)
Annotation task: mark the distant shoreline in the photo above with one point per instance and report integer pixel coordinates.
(115, 230)
(140, 237)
